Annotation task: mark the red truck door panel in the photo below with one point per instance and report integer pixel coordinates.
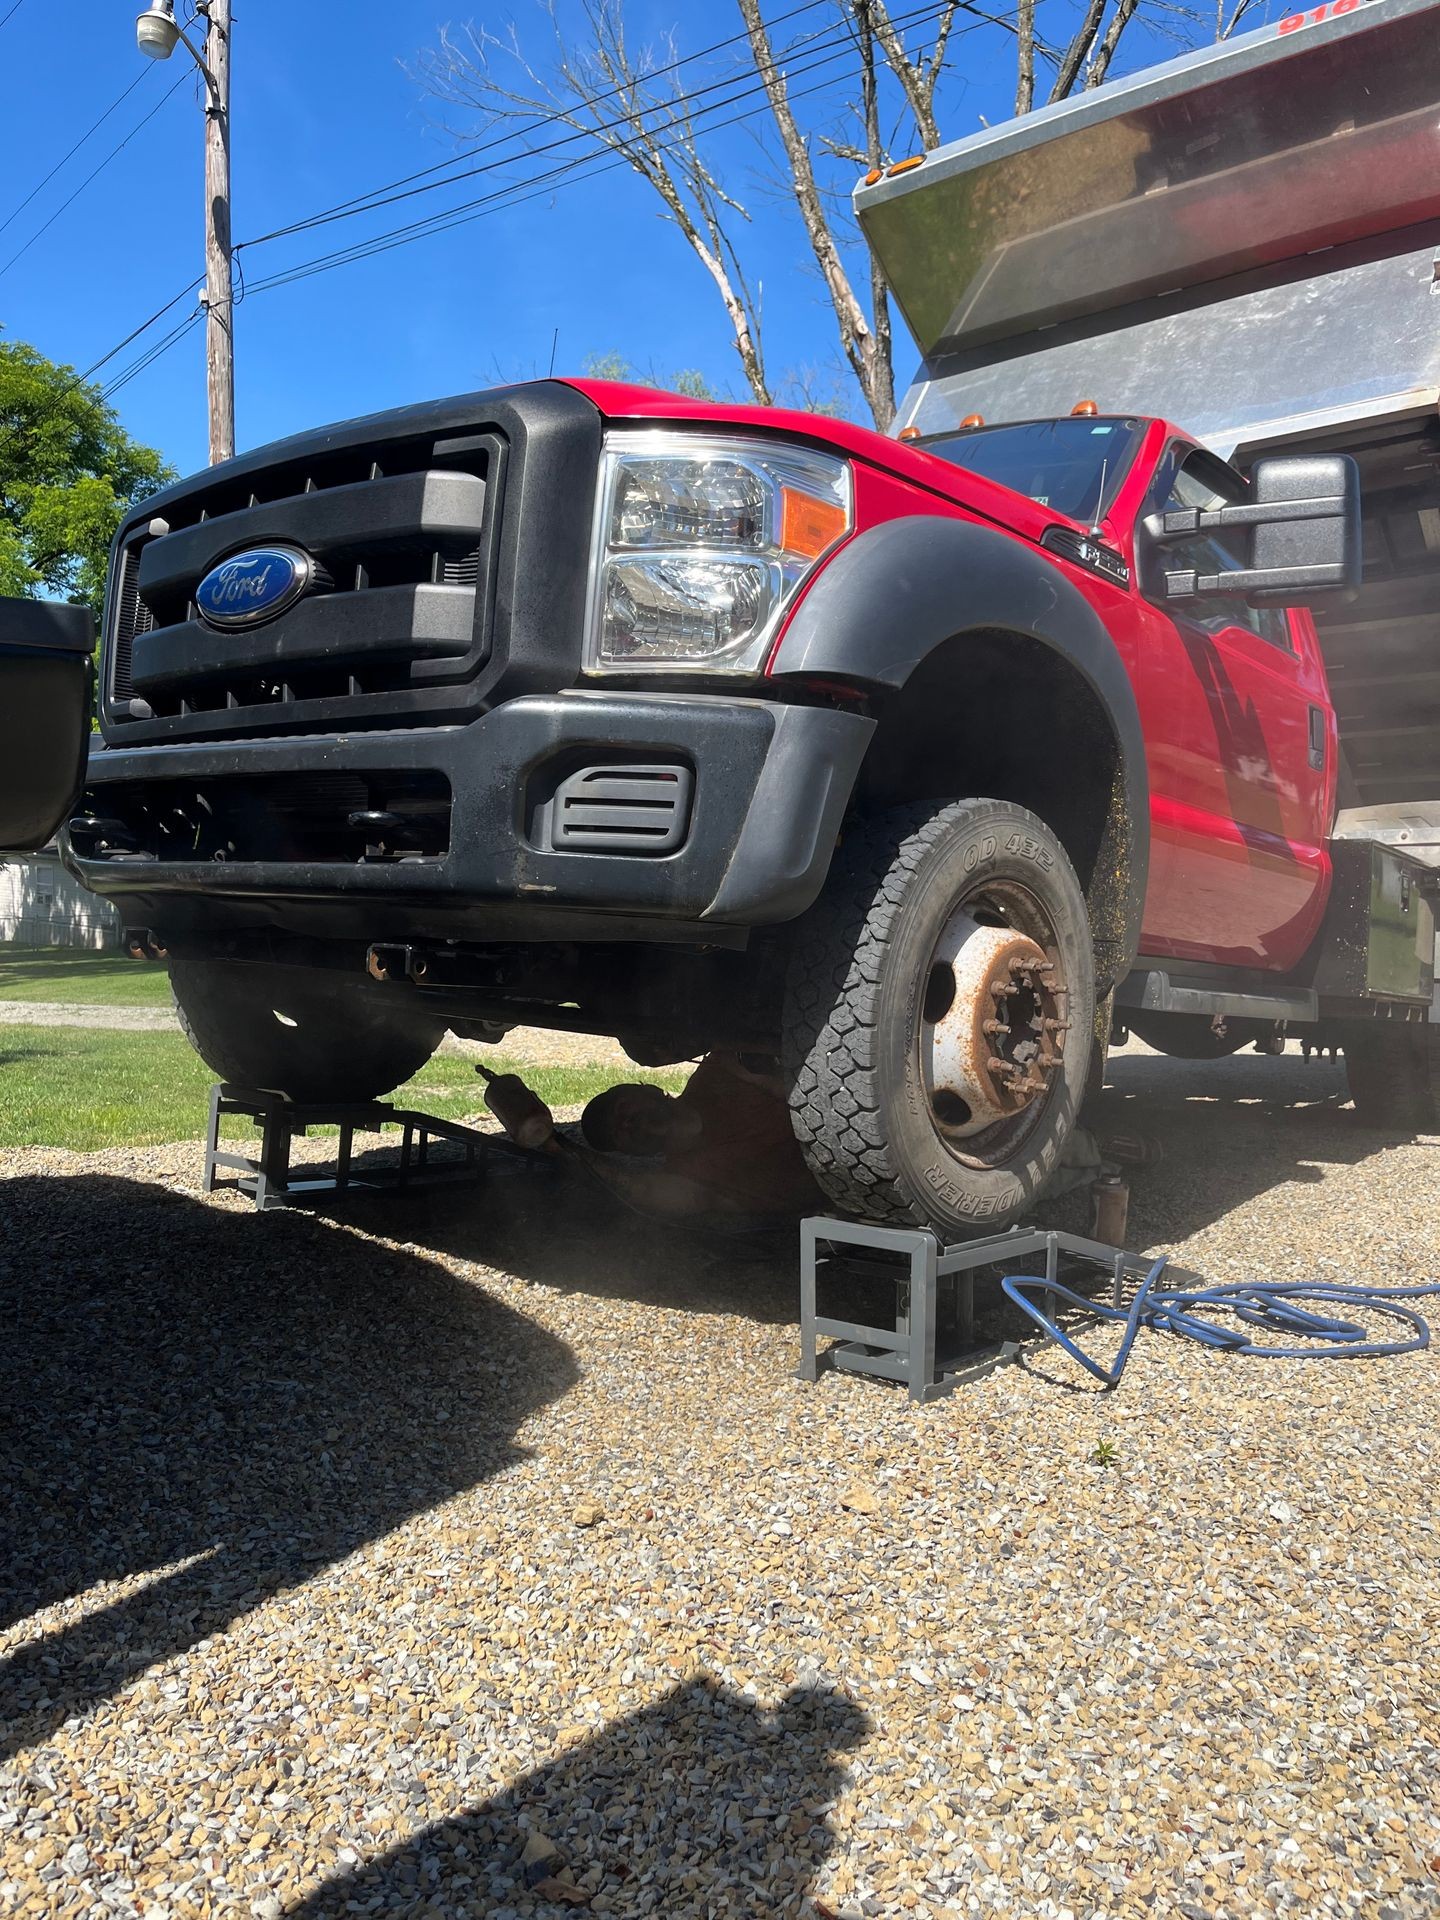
(1241, 753)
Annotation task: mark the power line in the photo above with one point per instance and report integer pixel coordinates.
(171, 339)
(136, 332)
(377, 243)
(364, 202)
(12, 13)
(11, 217)
(838, 36)
(676, 113)
(151, 355)
(512, 194)
(167, 95)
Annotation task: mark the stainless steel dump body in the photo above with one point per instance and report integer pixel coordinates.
(1243, 241)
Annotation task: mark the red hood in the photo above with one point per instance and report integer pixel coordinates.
(619, 402)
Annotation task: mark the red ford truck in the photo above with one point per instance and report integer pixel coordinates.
(918, 763)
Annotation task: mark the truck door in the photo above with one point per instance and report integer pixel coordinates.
(1242, 757)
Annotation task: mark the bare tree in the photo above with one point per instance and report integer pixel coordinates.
(1226, 23)
(858, 340)
(637, 107)
(1099, 65)
(645, 109)
(919, 74)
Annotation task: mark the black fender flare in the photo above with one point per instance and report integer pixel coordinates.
(896, 592)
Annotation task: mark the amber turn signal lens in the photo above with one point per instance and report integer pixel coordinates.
(1084, 410)
(808, 525)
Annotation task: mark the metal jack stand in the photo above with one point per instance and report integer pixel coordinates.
(907, 1352)
(268, 1179)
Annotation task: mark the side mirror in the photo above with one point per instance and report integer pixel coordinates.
(1302, 525)
(45, 677)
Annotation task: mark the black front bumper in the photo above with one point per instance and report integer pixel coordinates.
(771, 784)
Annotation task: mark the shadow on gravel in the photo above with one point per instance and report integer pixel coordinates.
(1231, 1129)
(700, 1807)
(563, 1229)
(257, 1395)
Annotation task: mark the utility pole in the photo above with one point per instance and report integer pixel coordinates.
(219, 300)
(157, 34)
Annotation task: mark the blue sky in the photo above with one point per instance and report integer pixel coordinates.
(324, 109)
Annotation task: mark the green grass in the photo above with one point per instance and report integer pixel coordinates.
(91, 979)
(86, 1089)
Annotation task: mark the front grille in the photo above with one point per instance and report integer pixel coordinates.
(403, 534)
(132, 616)
(330, 818)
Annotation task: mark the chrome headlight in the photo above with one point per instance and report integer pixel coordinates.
(701, 543)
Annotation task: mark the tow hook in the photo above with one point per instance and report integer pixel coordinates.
(396, 963)
(142, 944)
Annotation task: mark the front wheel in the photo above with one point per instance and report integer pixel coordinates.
(307, 1032)
(940, 1015)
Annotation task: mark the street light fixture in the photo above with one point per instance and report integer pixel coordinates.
(156, 33)
(157, 30)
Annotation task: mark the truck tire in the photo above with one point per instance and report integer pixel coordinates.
(309, 1033)
(933, 919)
(1394, 1074)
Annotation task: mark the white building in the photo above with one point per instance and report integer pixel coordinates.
(42, 906)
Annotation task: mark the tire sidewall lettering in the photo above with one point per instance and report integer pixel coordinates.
(978, 851)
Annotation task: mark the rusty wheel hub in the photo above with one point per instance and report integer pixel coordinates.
(993, 1025)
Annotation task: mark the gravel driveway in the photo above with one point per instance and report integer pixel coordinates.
(478, 1553)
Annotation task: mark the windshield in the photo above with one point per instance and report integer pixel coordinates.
(1075, 466)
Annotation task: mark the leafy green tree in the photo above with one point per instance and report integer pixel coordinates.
(68, 473)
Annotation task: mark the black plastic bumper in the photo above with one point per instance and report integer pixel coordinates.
(771, 784)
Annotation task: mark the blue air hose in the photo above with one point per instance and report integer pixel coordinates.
(1263, 1304)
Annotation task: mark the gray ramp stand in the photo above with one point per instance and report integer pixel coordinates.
(267, 1178)
(907, 1351)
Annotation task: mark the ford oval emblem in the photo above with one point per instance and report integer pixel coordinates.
(253, 586)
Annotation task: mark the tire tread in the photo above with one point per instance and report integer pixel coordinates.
(831, 1030)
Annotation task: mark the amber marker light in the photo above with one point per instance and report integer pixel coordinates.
(904, 166)
(875, 173)
(1084, 410)
(908, 433)
(808, 525)
(971, 422)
